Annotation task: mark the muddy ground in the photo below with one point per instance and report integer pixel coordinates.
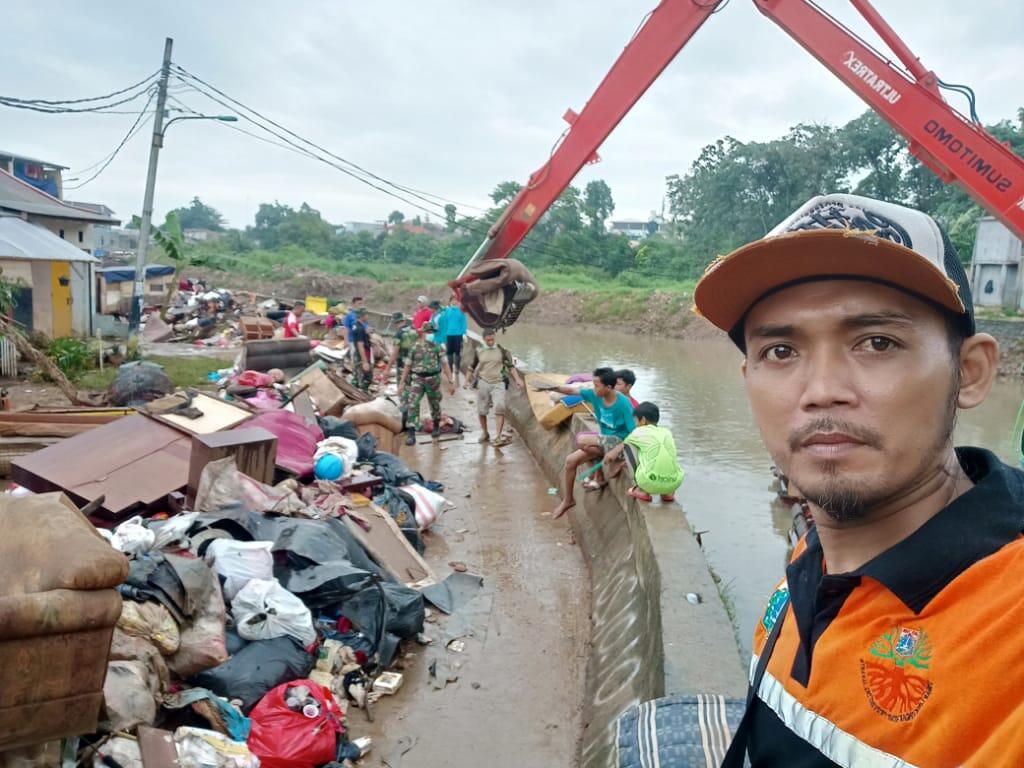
(519, 696)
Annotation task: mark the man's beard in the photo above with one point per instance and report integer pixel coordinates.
(847, 501)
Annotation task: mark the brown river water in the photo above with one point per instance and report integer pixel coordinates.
(728, 488)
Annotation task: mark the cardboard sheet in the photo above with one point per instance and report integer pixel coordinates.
(133, 460)
(387, 545)
(217, 415)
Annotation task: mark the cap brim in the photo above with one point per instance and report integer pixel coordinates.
(734, 283)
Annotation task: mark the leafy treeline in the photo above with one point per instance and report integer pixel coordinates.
(736, 192)
(733, 193)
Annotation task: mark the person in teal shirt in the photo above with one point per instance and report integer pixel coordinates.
(440, 336)
(455, 327)
(614, 415)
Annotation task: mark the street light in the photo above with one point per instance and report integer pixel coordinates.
(159, 131)
(221, 118)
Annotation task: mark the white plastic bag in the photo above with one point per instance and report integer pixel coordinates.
(240, 561)
(264, 610)
(428, 504)
(132, 537)
(200, 748)
(341, 446)
(172, 531)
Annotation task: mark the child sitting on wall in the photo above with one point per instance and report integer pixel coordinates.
(651, 453)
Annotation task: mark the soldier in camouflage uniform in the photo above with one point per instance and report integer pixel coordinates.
(401, 346)
(422, 373)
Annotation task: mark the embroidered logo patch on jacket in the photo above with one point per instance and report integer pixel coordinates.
(895, 674)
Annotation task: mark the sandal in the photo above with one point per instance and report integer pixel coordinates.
(639, 495)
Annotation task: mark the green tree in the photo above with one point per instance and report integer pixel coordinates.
(198, 215)
(504, 192)
(396, 217)
(566, 213)
(449, 217)
(598, 204)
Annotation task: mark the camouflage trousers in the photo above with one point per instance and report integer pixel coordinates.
(412, 398)
(362, 379)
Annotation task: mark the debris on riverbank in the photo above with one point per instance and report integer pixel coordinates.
(263, 573)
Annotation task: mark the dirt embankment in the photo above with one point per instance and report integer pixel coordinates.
(640, 311)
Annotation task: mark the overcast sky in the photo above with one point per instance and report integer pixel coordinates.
(450, 96)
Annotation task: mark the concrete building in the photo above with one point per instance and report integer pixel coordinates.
(53, 278)
(201, 235)
(355, 227)
(64, 301)
(634, 229)
(996, 268)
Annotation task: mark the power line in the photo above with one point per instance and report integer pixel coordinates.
(181, 71)
(49, 109)
(144, 81)
(139, 122)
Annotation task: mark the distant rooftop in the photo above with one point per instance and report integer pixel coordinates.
(37, 161)
(16, 195)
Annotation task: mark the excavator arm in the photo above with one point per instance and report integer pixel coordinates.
(907, 97)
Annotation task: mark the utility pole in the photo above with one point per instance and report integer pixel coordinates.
(139, 287)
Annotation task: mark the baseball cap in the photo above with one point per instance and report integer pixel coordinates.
(838, 236)
(397, 317)
(422, 299)
(361, 311)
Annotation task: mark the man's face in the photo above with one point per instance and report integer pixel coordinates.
(489, 340)
(600, 389)
(358, 303)
(298, 309)
(853, 387)
(622, 386)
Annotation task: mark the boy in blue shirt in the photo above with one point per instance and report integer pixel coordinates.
(614, 415)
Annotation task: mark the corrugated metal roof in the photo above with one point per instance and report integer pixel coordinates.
(16, 195)
(21, 240)
(19, 156)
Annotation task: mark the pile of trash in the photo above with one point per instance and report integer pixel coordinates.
(274, 542)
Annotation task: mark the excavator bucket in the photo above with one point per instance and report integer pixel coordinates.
(495, 291)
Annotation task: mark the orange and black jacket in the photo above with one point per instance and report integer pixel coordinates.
(915, 659)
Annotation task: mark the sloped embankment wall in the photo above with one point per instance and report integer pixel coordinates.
(647, 639)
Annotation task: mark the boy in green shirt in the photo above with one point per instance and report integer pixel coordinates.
(651, 453)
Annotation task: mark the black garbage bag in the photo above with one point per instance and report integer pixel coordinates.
(320, 586)
(393, 471)
(313, 542)
(254, 670)
(403, 610)
(138, 383)
(367, 445)
(332, 426)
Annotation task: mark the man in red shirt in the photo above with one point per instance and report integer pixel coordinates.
(422, 313)
(293, 321)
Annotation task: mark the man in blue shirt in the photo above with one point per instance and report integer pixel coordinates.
(614, 416)
(350, 326)
(455, 326)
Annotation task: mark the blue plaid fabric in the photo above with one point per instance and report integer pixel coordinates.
(677, 732)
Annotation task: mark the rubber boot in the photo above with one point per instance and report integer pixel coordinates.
(436, 433)
(410, 436)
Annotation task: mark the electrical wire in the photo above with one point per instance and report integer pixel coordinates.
(144, 81)
(100, 108)
(135, 128)
(182, 72)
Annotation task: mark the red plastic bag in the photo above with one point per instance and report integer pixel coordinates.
(281, 738)
(254, 379)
